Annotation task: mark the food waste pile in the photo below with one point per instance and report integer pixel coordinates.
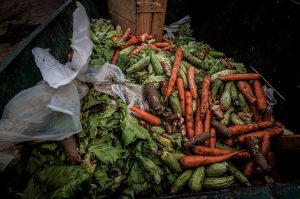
(199, 121)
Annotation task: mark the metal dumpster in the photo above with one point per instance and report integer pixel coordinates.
(18, 70)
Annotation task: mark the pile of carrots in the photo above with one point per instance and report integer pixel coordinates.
(232, 122)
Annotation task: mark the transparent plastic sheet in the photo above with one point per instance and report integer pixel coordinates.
(174, 27)
(50, 110)
(109, 79)
(57, 74)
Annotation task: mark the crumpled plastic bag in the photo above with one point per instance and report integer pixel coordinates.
(174, 27)
(41, 113)
(109, 79)
(57, 74)
(272, 101)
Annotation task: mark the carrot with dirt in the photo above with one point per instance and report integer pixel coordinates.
(193, 161)
(255, 114)
(204, 95)
(189, 114)
(145, 37)
(246, 89)
(146, 116)
(153, 47)
(254, 146)
(267, 116)
(163, 87)
(249, 168)
(240, 77)
(217, 110)
(213, 139)
(225, 63)
(273, 132)
(229, 142)
(208, 151)
(206, 125)
(198, 121)
(181, 94)
(197, 139)
(265, 144)
(152, 96)
(220, 128)
(244, 128)
(169, 48)
(261, 103)
(191, 81)
(126, 34)
(132, 41)
(136, 51)
(70, 147)
(116, 55)
(175, 70)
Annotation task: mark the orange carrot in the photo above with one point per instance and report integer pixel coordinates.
(181, 94)
(255, 114)
(244, 128)
(193, 161)
(198, 122)
(126, 34)
(132, 41)
(170, 47)
(116, 55)
(146, 116)
(176, 67)
(261, 103)
(229, 142)
(189, 115)
(191, 81)
(115, 39)
(213, 139)
(165, 40)
(240, 77)
(207, 151)
(161, 44)
(153, 47)
(204, 95)
(136, 51)
(210, 101)
(225, 63)
(265, 144)
(148, 37)
(273, 132)
(206, 126)
(245, 88)
(267, 116)
(144, 37)
(248, 168)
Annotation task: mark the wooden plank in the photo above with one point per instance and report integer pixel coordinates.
(143, 21)
(286, 142)
(158, 19)
(124, 23)
(125, 9)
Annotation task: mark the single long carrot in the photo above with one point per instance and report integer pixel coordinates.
(206, 125)
(273, 132)
(240, 77)
(126, 34)
(189, 114)
(244, 128)
(193, 161)
(261, 103)
(176, 67)
(213, 139)
(181, 94)
(207, 151)
(168, 48)
(161, 44)
(204, 95)
(116, 55)
(248, 168)
(191, 81)
(265, 144)
(136, 51)
(198, 121)
(153, 47)
(246, 89)
(146, 116)
(132, 41)
(255, 114)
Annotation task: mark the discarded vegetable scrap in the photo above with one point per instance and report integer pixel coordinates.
(202, 127)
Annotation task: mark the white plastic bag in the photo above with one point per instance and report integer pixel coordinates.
(41, 113)
(57, 74)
